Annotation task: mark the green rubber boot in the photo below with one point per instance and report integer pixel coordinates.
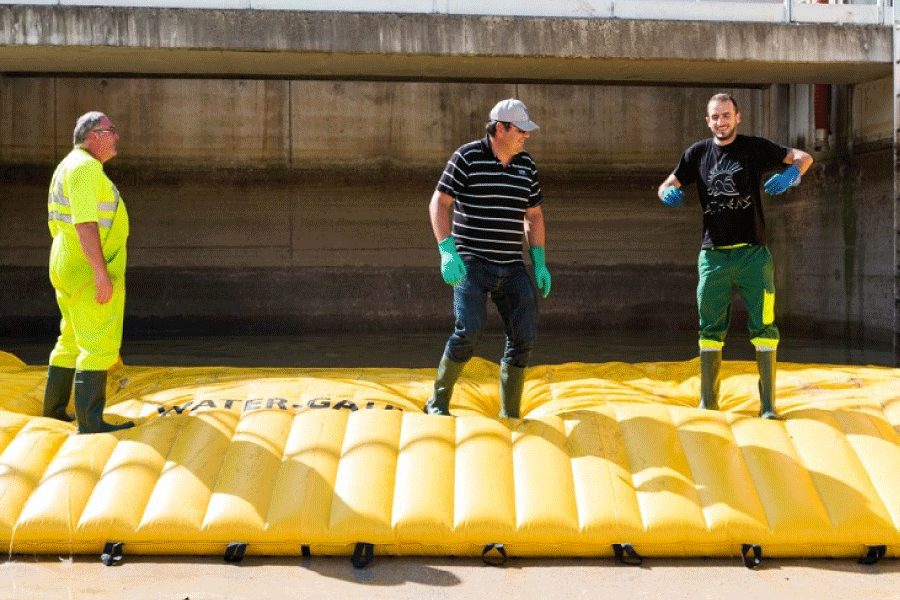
(710, 362)
(58, 392)
(447, 374)
(512, 380)
(766, 363)
(90, 399)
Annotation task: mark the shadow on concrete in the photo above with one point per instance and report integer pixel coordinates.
(438, 570)
(387, 570)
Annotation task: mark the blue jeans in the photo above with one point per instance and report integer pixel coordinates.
(512, 291)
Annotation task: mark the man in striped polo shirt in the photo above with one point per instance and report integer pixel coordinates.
(491, 187)
(89, 225)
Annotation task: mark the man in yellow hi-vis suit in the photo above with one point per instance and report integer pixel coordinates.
(89, 226)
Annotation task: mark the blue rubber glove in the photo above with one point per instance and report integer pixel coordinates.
(541, 274)
(780, 182)
(672, 196)
(452, 267)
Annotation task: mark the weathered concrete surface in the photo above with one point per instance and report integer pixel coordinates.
(66, 39)
(276, 124)
(230, 252)
(277, 301)
(873, 111)
(273, 206)
(222, 256)
(832, 239)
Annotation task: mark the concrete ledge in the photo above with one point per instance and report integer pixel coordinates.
(758, 11)
(190, 42)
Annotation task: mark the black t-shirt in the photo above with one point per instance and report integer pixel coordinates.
(728, 179)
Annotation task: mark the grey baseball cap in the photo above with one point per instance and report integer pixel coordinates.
(515, 112)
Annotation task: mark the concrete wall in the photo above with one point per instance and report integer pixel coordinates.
(872, 111)
(283, 205)
(235, 173)
(239, 123)
(851, 11)
(388, 45)
(833, 246)
(833, 237)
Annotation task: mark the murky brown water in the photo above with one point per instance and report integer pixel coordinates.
(417, 349)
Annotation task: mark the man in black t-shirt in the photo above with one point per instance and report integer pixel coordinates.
(490, 186)
(728, 169)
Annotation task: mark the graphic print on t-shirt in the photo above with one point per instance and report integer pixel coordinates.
(723, 194)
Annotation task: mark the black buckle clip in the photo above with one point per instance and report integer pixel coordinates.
(490, 559)
(112, 553)
(234, 553)
(627, 555)
(756, 560)
(875, 553)
(363, 554)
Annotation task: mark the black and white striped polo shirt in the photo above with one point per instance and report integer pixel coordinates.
(490, 201)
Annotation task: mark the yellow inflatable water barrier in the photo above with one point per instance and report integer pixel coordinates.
(320, 460)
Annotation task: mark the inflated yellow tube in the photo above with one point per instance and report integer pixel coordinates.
(606, 454)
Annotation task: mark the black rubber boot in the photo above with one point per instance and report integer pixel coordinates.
(447, 374)
(765, 361)
(90, 399)
(58, 392)
(512, 380)
(710, 362)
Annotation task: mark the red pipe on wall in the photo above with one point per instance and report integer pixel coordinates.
(822, 107)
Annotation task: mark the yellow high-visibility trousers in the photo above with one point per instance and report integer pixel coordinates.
(90, 334)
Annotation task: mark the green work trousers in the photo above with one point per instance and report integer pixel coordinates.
(750, 270)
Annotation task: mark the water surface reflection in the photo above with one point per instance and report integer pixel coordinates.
(423, 349)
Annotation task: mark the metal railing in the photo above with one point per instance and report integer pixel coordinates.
(859, 12)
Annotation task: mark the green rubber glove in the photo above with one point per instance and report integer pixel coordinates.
(541, 274)
(452, 267)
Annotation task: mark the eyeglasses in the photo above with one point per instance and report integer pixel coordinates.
(512, 126)
(112, 130)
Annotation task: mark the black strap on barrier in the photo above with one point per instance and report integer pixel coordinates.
(234, 553)
(756, 559)
(874, 554)
(305, 551)
(112, 553)
(497, 559)
(363, 554)
(627, 555)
